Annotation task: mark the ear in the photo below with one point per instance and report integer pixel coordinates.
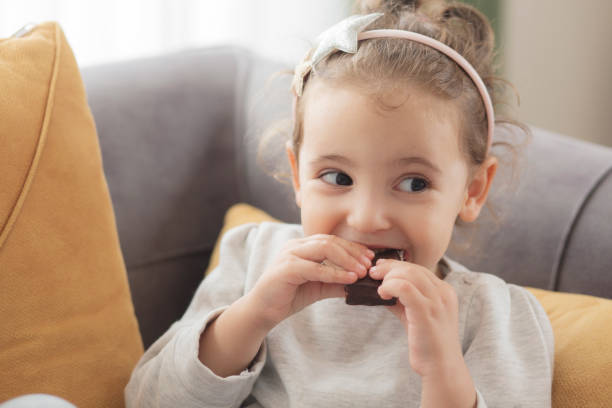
(294, 172)
(478, 190)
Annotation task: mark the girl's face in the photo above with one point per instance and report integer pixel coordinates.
(385, 178)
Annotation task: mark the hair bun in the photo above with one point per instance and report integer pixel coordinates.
(470, 23)
(393, 4)
(367, 6)
(429, 7)
(414, 3)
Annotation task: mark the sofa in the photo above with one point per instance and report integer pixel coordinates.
(178, 139)
(179, 136)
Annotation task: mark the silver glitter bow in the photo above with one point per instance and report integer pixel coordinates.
(342, 36)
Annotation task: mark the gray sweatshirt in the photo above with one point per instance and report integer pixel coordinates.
(334, 355)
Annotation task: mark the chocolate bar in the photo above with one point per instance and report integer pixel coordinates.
(365, 290)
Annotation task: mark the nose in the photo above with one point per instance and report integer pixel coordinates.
(368, 213)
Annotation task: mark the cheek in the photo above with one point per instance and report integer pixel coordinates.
(433, 229)
(316, 216)
(437, 227)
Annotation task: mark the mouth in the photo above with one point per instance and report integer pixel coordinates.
(388, 253)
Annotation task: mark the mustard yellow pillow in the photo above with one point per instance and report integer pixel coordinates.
(583, 348)
(582, 326)
(68, 326)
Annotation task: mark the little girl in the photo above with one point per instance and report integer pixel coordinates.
(393, 123)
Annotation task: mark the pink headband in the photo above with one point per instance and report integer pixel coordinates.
(345, 36)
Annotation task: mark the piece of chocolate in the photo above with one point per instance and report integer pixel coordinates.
(365, 290)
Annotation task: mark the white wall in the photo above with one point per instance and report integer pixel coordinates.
(106, 30)
(558, 53)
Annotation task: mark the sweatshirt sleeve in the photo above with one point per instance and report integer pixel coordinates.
(511, 352)
(169, 374)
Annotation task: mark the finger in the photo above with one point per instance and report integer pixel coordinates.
(332, 251)
(360, 252)
(418, 276)
(430, 274)
(308, 271)
(383, 266)
(405, 291)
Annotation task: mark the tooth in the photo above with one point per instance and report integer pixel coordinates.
(401, 254)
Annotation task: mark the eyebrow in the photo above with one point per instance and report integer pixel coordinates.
(401, 162)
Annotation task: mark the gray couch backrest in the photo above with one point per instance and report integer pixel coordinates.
(179, 135)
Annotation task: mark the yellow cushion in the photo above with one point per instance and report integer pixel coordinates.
(582, 326)
(583, 348)
(68, 324)
(238, 214)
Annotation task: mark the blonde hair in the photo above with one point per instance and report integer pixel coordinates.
(384, 64)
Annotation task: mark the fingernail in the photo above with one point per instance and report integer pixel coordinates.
(373, 271)
(370, 253)
(366, 261)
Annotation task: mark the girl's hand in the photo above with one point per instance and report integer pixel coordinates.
(428, 308)
(305, 271)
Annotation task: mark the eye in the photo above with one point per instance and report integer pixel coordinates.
(413, 184)
(337, 178)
